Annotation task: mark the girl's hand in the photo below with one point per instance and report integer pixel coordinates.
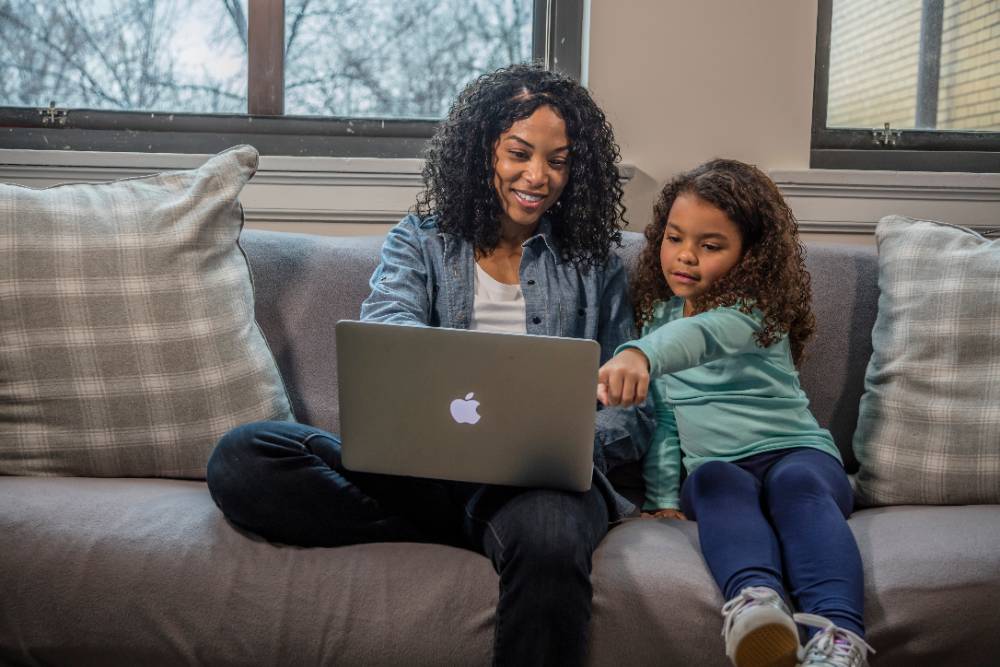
(665, 514)
(624, 380)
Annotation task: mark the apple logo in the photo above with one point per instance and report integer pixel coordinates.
(464, 411)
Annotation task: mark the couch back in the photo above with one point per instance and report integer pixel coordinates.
(304, 284)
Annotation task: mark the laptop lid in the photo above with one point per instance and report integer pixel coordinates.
(467, 405)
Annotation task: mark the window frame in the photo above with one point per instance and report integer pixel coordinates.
(913, 150)
(557, 41)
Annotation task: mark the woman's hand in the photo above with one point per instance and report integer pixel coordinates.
(665, 514)
(624, 380)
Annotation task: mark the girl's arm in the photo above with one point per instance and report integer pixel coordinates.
(400, 282)
(692, 341)
(674, 346)
(662, 466)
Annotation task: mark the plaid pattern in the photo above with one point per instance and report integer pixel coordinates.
(929, 423)
(128, 344)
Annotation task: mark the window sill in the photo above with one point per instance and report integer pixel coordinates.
(850, 201)
(286, 193)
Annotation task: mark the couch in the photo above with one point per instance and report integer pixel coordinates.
(145, 571)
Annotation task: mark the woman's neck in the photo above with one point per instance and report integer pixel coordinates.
(513, 236)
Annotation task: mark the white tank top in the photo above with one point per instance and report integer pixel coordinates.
(497, 306)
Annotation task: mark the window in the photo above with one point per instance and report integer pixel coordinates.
(907, 85)
(367, 78)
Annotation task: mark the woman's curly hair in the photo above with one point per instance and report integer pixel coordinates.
(771, 274)
(459, 169)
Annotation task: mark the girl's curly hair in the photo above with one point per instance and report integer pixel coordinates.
(771, 274)
(458, 172)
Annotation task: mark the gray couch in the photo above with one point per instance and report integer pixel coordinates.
(148, 572)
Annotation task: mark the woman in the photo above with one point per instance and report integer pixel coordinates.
(513, 233)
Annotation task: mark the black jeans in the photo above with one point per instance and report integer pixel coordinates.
(285, 482)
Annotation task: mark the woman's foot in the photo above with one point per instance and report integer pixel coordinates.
(832, 646)
(759, 630)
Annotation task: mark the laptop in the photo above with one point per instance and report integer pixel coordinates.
(470, 406)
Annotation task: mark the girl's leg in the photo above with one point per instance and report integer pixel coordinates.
(809, 499)
(736, 539)
(285, 482)
(541, 543)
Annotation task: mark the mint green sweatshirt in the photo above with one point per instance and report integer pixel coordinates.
(718, 395)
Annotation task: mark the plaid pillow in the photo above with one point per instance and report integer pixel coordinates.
(128, 344)
(929, 424)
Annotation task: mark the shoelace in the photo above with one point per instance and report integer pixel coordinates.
(748, 596)
(824, 648)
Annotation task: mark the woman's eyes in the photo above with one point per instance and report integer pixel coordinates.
(710, 247)
(556, 163)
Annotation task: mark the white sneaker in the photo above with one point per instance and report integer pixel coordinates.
(759, 630)
(832, 646)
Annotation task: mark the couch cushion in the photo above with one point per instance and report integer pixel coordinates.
(148, 572)
(931, 586)
(127, 335)
(929, 425)
(131, 571)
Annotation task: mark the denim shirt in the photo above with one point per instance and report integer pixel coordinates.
(426, 277)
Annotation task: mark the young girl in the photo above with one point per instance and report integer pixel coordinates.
(722, 298)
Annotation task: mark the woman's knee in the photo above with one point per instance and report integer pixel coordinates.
(240, 452)
(232, 448)
(551, 532)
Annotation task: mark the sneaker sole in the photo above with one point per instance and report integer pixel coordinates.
(770, 645)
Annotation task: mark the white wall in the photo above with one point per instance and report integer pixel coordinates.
(683, 82)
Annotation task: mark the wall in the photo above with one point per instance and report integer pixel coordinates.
(683, 82)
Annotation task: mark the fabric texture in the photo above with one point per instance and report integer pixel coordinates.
(718, 395)
(269, 478)
(929, 423)
(147, 571)
(128, 344)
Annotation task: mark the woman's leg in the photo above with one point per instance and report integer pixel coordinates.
(541, 543)
(737, 540)
(809, 499)
(285, 482)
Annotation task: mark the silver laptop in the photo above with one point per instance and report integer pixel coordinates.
(467, 405)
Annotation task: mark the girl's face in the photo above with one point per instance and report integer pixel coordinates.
(700, 245)
(531, 166)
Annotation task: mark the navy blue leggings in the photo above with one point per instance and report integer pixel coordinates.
(781, 516)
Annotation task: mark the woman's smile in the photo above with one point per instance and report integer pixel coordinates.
(529, 200)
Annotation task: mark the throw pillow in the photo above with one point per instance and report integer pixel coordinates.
(929, 422)
(128, 344)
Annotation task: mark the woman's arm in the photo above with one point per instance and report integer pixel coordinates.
(621, 434)
(400, 283)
